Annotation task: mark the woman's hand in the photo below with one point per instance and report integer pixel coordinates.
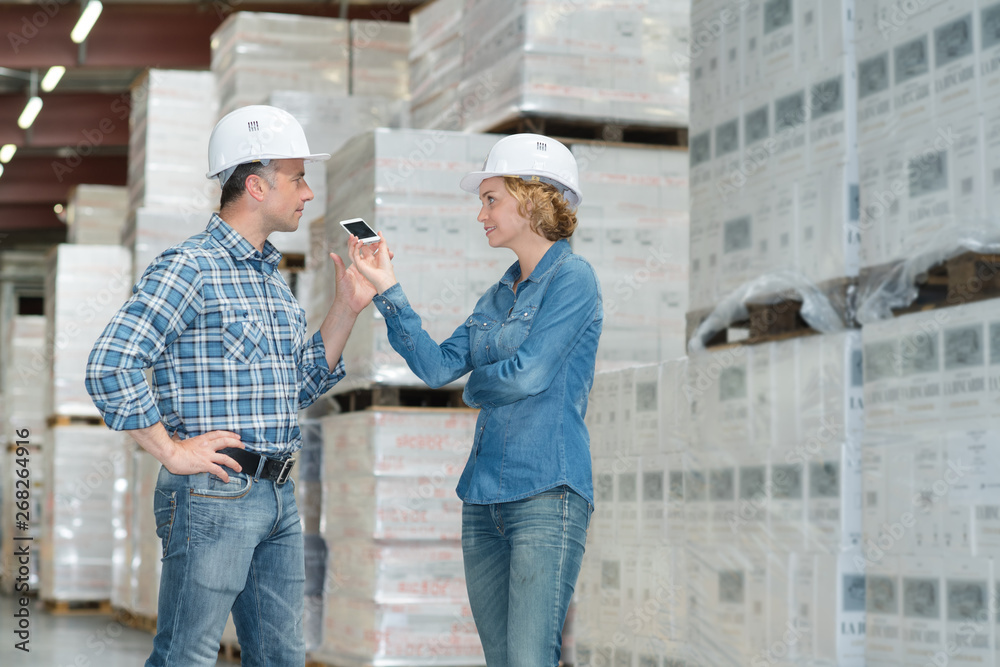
(374, 262)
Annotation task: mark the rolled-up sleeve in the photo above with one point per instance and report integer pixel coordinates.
(163, 304)
(572, 303)
(315, 376)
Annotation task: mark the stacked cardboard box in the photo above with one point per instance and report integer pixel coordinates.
(95, 214)
(395, 585)
(435, 60)
(22, 377)
(379, 58)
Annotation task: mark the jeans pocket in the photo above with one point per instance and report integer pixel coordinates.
(211, 486)
(164, 511)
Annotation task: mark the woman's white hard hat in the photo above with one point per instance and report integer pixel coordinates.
(256, 133)
(532, 157)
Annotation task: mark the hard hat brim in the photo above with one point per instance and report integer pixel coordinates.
(471, 182)
(315, 157)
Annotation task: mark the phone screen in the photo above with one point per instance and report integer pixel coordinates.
(360, 229)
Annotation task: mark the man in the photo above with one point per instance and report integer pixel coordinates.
(232, 365)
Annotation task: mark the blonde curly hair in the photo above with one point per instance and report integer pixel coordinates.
(547, 211)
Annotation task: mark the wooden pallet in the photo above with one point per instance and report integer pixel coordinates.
(73, 420)
(78, 607)
(575, 130)
(777, 321)
(292, 261)
(381, 397)
(135, 621)
(962, 279)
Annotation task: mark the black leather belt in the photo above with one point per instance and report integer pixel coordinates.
(275, 470)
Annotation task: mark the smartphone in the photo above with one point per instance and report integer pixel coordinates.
(358, 227)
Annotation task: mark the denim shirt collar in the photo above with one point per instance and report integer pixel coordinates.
(549, 259)
(241, 249)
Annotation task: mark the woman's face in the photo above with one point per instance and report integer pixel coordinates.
(501, 221)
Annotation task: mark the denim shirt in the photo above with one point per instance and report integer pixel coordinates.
(532, 358)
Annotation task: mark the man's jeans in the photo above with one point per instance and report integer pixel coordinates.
(522, 559)
(235, 546)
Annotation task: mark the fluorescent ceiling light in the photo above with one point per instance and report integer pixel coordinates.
(1, 170)
(52, 77)
(31, 110)
(7, 152)
(87, 20)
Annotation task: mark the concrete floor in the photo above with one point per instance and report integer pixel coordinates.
(70, 640)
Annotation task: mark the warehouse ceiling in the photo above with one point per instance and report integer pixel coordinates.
(81, 133)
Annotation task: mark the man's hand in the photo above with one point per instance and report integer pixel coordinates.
(374, 264)
(201, 454)
(353, 291)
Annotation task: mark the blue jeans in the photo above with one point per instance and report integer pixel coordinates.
(228, 547)
(522, 559)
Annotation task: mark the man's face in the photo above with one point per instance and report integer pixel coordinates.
(283, 204)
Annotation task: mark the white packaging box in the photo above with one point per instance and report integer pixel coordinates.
(884, 609)
(23, 453)
(991, 166)
(432, 443)
(150, 231)
(602, 523)
(912, 85)
(833, 111)
(398, 573)
(737, 260)
(834, 499)
(897, 535)
(122, 508)
(989, 54)
(969, 484)
(928, 505)
(677, 508)
(924, 606)
(722, 497)
(652, 500)
(675, 393)
(147, 549)
(993, 331)
(965, 361)
(172, 116)
(874, 91)
(729, 45)
(882, 370)
(84, 287)
(380, 58)
(419, 634)
(749, 520)
(612, 586)
(624, 431)
(970, 612)
(875, 487)
(778, 39)
(22, 377)
(96, 214)
(704, 52)
(697, 511)
(626, 506)
(839, 610)
(920, 359)
(781, 631)
(787, 507)
(750, 51)
(956, 84)
(77, 537)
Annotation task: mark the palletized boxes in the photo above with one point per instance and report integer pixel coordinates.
(594, 62)
(435, 60)
(379, 58)
(84, 287)
(773, 144)
(633, 226)
(95, 214)
(123, 507)
(395, 584)
(22, 377)
(254, 53)
(931, 496)
(172, 116)
(77, 537)
(17, 575)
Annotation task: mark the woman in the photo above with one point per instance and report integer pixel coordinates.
(531, 344)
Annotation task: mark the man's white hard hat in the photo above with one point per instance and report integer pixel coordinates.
(532, 157)
(256, 133)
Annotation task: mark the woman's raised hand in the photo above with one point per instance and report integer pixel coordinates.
(374, 262)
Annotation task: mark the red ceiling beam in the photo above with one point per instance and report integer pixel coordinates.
(77, 120)
(38, 180)
(20, 217)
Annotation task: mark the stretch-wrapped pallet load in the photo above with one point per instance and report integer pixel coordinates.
(435, 60)
(633, 228)
(95, 214)
(328, 121)
(597, 61)
(146, 547)
(773, 144)
(379, 58)
(77, 533)
(931, 526)
(773, 503)
(631, 597)
(84, 287)
(173, 113)
(395, 584)
(15, 575)
(123, 507)
(22, 378)
(928, 129)
(255, 53)
(405, 184)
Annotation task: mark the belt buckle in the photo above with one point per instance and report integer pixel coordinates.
(286, 468)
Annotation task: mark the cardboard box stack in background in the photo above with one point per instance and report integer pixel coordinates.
(255, 53)
(170, 199)
(380, 58)
(96, 214)
(435, 62)
(931, 517)
(22, 377)
(773, 144)
(395, 585)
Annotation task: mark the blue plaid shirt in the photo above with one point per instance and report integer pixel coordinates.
(227, 343)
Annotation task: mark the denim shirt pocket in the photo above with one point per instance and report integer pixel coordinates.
(479, 325)
(517, 327)
(243, 336)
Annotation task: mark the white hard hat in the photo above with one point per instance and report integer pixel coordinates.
(256, 133)
(532, 157)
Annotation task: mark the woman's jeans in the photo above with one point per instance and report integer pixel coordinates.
(522, 559)
(235, 546)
